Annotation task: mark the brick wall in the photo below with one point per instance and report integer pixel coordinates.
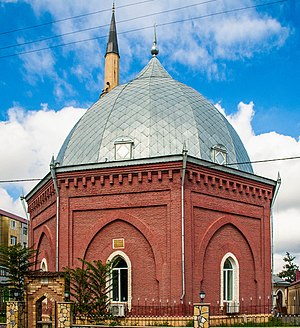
(142, 204)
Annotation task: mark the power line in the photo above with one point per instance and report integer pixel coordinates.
(105, 25)
(146, 27)
(237, 163)
(70, 18)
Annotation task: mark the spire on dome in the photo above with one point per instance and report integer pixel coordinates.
(154, 49)
(112, 44)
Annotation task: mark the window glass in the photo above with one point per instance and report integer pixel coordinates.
(120, 281)
(228, 281)
(13, 240)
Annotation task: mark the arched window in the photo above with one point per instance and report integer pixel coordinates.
(121, 290)
(229, 272)
(44, 266)
(119, 280)
(227, 281)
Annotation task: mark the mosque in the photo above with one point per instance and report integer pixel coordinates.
(155, 176)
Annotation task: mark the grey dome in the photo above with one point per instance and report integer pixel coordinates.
(156, 115)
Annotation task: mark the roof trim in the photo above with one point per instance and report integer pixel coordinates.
(151, 160)
(13, 216)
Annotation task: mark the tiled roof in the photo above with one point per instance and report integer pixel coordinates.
(158, 114)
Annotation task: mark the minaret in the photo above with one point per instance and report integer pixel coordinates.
(112, 57)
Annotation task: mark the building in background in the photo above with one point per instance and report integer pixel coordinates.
(154, 176)
(13, 229)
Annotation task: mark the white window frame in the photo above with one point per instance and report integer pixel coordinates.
(219, 149)
(13, 224)
(129, 276)
(123, 141)
(235, 267)
(15, 240)
(44, 265)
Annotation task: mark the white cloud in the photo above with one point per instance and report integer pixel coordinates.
(272, 145)
(28, 140)
(200, 44)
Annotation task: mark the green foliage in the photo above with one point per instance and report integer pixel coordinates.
(290, 268)
(190, 323)
(89, 288)
(17, 261)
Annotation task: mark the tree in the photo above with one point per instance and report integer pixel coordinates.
(290, 268)
(89, 286)
(16, 262)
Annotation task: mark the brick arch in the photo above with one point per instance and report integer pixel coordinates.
(212, 230)
(45, 233)
(38, 288)
(137, 224)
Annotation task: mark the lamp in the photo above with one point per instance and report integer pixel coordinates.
(66, 295)
(202, 296)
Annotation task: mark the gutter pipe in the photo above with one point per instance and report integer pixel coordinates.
(184, 160)
(53, 175)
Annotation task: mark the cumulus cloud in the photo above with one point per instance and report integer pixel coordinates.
(271, 145)
(203, 43)
(28, 140)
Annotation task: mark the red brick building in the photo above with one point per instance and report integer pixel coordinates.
(154, 175)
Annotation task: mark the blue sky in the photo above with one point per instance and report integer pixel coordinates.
(246, 62)
(269, 75)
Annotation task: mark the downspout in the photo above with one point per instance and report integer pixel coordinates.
(53, 175)
(184, 160)
(23, 201)
(277, 187)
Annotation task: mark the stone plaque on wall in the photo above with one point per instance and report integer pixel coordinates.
(118, 243)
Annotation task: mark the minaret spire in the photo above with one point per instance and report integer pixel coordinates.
(154, 49)
(112, 57)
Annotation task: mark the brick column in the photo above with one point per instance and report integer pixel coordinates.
(64, 314)
(201, 315)
(15, 314)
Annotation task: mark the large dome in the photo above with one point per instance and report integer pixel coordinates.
(153, 115)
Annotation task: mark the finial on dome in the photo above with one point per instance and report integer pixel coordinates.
(154, 49)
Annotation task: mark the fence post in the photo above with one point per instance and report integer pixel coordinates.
(201, 315)
(15, 314)
(64, 314)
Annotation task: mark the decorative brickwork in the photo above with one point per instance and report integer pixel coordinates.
(41, 286)
(225, 211)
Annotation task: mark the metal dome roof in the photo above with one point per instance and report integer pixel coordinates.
(155, 115)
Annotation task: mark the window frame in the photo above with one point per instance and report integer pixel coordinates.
(123, 141)
(224, 282)
(126, 259)
(15, 240)
(219, 149)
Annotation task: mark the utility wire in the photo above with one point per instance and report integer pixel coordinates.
(146, 27)
(102, 26)
(69, 18)
(237, 163)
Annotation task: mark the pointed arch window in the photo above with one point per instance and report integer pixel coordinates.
(229, 272)
(228, 281)
(119, 280)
